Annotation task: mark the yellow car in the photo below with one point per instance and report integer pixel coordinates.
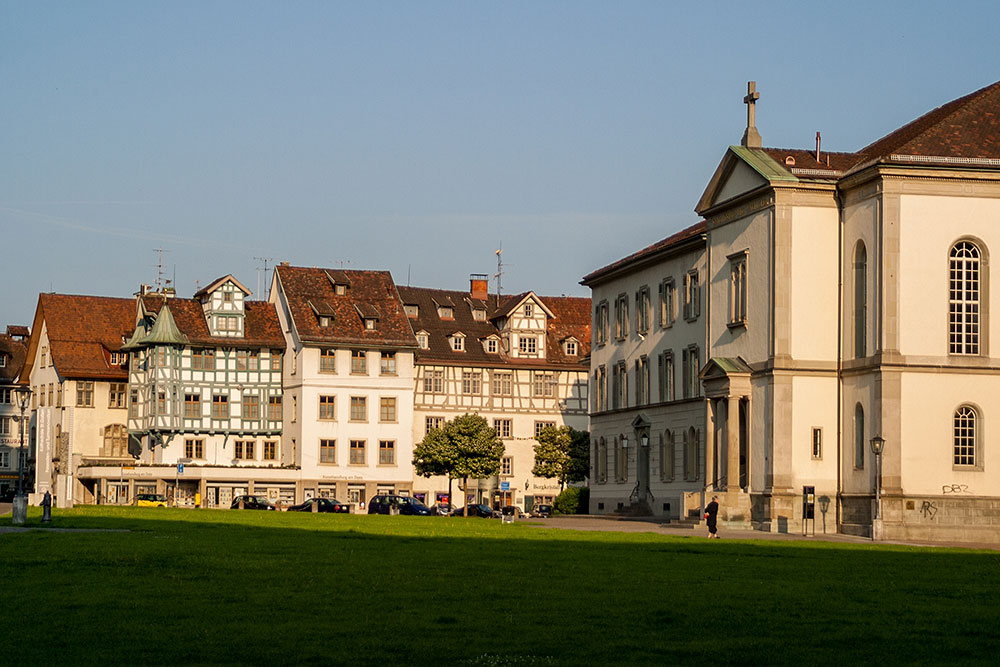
(150, 500)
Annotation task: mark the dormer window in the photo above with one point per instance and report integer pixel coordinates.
(370, 323)
(3, 360)
(422, 340)
(479, 314)
(458, 342)
(324, 321)
(491, 345)
(340, 290)
(446, 312)
(411, 310)
(528, 310)
(570, 347)
(118, 358)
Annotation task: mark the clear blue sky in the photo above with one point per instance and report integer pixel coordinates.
(419, 136)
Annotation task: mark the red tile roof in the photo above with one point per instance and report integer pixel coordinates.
(666, 245)
(82, 330)
(261, 326)
(310, 291)
(571, 318)
(14, 351)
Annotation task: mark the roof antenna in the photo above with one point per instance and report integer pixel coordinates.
(159, 268)
(265, 260)
(499, 273)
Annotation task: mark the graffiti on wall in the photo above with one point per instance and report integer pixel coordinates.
(928, 510)
(955, 488)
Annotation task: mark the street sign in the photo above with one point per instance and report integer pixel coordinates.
(180, 467)
(505, 486)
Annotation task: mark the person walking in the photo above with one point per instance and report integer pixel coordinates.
(711, 517)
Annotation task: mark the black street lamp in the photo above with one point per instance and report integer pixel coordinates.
(878, 443)
(20, 509)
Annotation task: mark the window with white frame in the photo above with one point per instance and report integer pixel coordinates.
(570, 347)
(502, 383)
(431, 423)
(529, 310)
(411, 310)
(541, 426)
(965, 437)
(507, 466)
(503, 427)
(738, 289)
(458, 342)
(479, 314)
(472, 382)
(527, 344)
(5, 459)
(492, 345)
(544, 385)
(422, 340)
(387, 364)
(434, 382)
(84, 394)
(964, 297)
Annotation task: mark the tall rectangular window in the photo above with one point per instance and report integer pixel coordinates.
(357, 452)
(601, 388)
(388, 363)
(621, 317)
(274, 408)
(327, 408)
(359, 409)
(387, 409)
(387, 452)
(642, 310)
(817, 443)
(667, 312)
(642, 380)
(220, 406)
(544, 385)
(192, 406)
(327, 361)
(507, 466)
(692, 365)
(601, 322)
(359, 362)
(251, 406)
(472, 382)
(434, 382)
(270, 450)
(84, 394)
(666, 369)
(327, 451)
(738, 289)
(692, 296)
(194, 448)
(963, 299)
(502, 383)
(116, 395)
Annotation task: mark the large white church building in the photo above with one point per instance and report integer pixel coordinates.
(832, 304)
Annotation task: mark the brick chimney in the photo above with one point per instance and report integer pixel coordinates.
(479, 286)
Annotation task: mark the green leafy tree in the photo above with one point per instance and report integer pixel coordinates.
(562, 453)
(463, 448)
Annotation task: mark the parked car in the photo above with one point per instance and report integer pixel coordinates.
(393, 504)
(322, 505)
(542, 511)
(252, 503)
(150, 500)
(482, 511)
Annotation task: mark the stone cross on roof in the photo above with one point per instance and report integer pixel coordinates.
(751, 138)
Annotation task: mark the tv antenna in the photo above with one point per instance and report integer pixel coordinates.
(161, 282)
(499, 274)
(265, 260)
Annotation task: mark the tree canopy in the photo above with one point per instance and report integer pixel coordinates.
(562, 453)
(465, 447)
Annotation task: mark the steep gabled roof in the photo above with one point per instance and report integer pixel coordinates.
(14, 350)
(81, 330)
(372, 294)
(214, 285)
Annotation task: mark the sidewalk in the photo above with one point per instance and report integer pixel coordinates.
(653, 525)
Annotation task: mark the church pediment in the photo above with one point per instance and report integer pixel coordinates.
(742, 170)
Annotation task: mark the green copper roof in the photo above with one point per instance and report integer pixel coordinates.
(165, 331)
(763, 164)
(731, 364)
(133, 343)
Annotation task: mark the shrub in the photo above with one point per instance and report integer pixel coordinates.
(574, 500)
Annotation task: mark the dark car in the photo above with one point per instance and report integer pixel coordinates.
(482, 511)
(393, 504)
(542, 511)
(252, 503)
(322, 505)
(512, 510)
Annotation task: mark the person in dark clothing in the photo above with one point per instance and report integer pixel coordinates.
(711, 515)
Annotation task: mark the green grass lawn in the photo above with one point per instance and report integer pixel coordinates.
(183, 586)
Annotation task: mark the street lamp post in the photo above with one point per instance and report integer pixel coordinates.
(20, 509)
(878, 443)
